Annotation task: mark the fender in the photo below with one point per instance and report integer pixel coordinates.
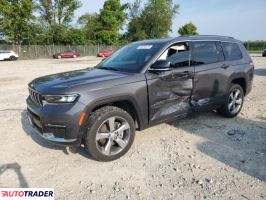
(108, 100)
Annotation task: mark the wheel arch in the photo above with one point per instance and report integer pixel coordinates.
(240, 80)
(126, 103)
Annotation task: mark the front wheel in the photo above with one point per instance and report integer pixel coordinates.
(110, 133)
(234, 102)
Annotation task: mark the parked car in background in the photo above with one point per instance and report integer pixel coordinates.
(8, 55)
(105, 54)
(264, 53)
(67, 54)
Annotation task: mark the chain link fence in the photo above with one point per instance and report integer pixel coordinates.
(47, 51)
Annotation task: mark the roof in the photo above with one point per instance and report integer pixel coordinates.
(188, 37)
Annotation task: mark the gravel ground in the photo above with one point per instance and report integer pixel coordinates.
(202, 157)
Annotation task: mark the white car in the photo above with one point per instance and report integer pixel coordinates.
(8, 55)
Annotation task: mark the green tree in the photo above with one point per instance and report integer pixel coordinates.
(135, 29)
(74, 36)
(153, 21)
(57, 11)
(111, 19)
(55, 16)
(188, 29)
(16, 20)
(104, 28)
(157, 17)
(90, 24)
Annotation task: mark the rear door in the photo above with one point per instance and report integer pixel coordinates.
(169, 92)
(210, 73)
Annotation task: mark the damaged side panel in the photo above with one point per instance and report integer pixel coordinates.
(169, 94)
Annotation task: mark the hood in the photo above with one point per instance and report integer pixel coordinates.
(75, 79)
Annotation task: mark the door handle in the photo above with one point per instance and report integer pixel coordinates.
(225, 66)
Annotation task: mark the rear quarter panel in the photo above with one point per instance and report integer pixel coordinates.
(242, 69)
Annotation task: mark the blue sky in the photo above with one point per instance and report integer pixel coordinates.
(242, 19)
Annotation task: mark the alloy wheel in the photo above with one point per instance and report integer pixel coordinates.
(235, 101)
(112, 136)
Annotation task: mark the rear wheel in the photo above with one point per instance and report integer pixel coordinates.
(59, 57)
(12, 58)
(110, 133)
(74, 56)
(234, 102)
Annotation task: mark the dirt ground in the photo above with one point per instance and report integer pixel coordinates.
(205, 156)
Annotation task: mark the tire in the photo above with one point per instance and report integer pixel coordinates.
(233, 101)
(74, 56)
(12, 58)
(119, 139)
(59, 57)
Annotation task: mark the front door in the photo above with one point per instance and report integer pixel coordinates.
(170, 91)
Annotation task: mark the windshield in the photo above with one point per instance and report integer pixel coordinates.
(130, 58)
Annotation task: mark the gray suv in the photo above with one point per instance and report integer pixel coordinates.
(140, 85)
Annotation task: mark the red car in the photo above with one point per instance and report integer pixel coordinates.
(67, 54)
(105, 53)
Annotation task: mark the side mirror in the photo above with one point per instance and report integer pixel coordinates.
(161, 65)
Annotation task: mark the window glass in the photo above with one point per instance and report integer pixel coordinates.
(220, 51)
(231, 51)
(204, 53)
(177, 54)
(131, 58)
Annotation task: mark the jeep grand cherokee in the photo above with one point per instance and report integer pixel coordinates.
(140, 85)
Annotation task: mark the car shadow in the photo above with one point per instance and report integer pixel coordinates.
(237, 146)
(260, 72)
(17, 169)
(42, 142)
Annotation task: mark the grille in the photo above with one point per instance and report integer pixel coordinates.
(57, 130)
(35, 96)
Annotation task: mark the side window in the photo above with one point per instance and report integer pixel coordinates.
(178, 55)
(204, 53)
(231, 51)
(220, 51)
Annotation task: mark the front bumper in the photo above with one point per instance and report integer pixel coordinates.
(57, 123)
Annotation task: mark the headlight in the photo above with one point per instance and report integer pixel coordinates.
(70, 98)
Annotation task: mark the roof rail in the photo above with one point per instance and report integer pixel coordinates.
(207, 36)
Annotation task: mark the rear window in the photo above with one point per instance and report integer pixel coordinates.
(231, 51)
(204, 53)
